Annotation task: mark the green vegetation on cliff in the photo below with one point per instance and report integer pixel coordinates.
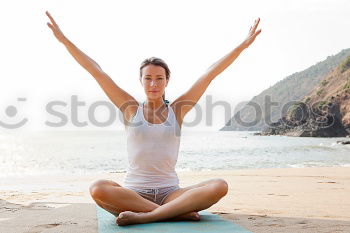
(345, 65)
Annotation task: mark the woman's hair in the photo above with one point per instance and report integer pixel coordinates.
(157, 62)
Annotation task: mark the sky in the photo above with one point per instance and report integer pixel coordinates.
(38, 72)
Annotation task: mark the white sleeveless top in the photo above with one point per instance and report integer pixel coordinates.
(152, 151)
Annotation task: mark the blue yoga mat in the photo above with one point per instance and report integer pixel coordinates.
(209, 223)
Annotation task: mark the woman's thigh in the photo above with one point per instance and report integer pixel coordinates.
(175, 194)
(116, 198)
(99, 183)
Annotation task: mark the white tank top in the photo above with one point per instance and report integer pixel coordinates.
(152, 151)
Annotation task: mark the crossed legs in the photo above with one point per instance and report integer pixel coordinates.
(131, 208)
(112, 197)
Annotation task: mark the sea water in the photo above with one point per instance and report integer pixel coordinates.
(88, 152)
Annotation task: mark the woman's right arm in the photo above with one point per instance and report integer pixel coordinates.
(125, 102)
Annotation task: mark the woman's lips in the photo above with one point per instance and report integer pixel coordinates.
(153, 91)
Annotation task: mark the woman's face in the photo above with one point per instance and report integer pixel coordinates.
(154, 81)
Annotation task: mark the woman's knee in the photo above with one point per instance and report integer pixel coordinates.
(220, 187)
(99, 187)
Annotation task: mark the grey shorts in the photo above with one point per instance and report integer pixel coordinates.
(156, 195)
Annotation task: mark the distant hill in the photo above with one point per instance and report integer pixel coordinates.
(292, 88)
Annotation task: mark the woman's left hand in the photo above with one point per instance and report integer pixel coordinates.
(252, 34)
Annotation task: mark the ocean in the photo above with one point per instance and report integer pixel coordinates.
(90, 152)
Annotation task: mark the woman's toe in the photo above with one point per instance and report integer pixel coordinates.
(196, 216)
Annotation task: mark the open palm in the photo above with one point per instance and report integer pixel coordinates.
(252, 34)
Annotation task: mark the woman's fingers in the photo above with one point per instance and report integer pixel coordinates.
(252, 34)
(256, 23)
(252, 31)
(257, 33)
(55, 28)
(253, 28)
(51, 27)
(51, 19)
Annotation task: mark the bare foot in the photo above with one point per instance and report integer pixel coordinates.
(128, 218)
(192, 216)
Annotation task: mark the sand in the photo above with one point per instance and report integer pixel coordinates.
(260, 200)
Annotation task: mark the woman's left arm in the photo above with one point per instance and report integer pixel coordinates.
(219, 66)
(186, 101)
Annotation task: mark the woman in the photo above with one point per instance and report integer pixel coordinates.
(151, 189)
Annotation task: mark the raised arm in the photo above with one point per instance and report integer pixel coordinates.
(185, 102)
(125, 102)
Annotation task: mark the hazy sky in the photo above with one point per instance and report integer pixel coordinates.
(189, 35)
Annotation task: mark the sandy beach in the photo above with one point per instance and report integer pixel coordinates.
(260, 200)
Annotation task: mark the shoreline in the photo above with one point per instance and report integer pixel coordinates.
(266, 199)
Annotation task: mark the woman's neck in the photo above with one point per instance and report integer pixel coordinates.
(154, 104)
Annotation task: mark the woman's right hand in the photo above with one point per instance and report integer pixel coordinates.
(55, 29)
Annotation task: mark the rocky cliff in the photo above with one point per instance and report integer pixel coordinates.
(269, 106)
(324, 112)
